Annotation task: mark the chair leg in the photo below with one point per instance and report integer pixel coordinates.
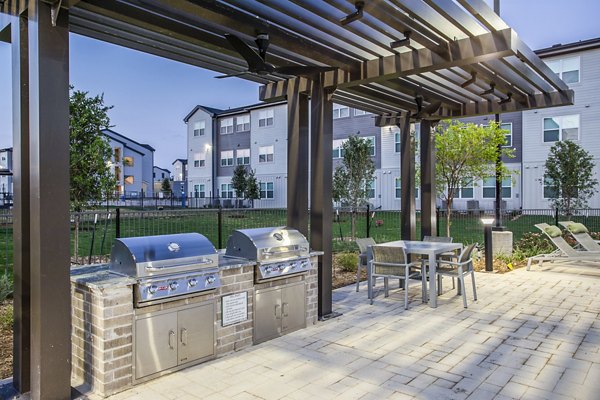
(461, 281)
(406, 270)
(474, 289)
(385, 286)
(439, 282)
(423, 284)
(453, 283)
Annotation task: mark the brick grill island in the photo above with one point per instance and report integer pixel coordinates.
(104, 317)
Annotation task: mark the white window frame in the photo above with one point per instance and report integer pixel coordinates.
(243, 155)
(338, 148)
(227, 188)
(358, 112)
(242, 123)
(264, 187)
(372, 140)
(398, 189)
(465, 185)
(226, 126)
(507, 179)
(370, 187)
(266, 118)
(340, 111)
(199, 128)
(558, 67)
(544, 186)
(559, 120)
(397, 147)
(200, 160)
(264, 152)
(226, 158)
(510, 129)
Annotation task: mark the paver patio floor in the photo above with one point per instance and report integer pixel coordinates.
(531, 335)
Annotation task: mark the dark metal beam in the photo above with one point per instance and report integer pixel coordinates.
(21, 208)
(49, 201)
(408, 213)
(298, 153)
(428, 189)
(321, 215)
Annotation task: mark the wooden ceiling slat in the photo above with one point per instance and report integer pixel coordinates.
(431, 18)
(451, 11)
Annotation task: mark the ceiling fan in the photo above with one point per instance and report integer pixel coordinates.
(258, 65)
(427, 111)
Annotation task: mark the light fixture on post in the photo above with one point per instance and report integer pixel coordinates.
(487, 238)
(491, 90)
(508, 99)
(356, 15)
(402, 42)
(470, 81)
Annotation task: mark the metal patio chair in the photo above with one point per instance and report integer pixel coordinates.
(460, 268)
(580, 233)
(363, 258)
(564, 251)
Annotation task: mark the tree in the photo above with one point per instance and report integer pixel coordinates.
(244, 183)
(352, 178)
(465, 154)
(166, 185)
(570, 176)
(90, 151)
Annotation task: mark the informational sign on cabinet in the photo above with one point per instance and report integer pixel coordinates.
(234, 308)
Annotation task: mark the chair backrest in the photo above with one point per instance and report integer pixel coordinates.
(388, 255)
(558, 241)
(583, 238)
(363, 244)
(438, 239)
(466, 253)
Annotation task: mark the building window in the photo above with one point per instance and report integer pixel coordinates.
(265, 154)
(242, 123)
(565, 127)
(199, 191)
(226, 126)
(227, 158)
(466, 190)
(117, 155)
(128, 161)
(397, 142)
(507, 127)
(371, 140)
(199, 127)
(200, 160)
(266, 190)
(266, 117)
(226, 190)
(567, 69)
(243, 157)
(154, 174)
(358, 112)
(399, 189)
(338, 148)
(340, 111)
(550, 190)
(489, 188)
(370, 189)
(128, 179)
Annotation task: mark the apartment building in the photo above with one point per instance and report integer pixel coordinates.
(179, 184)
(158, 176)
(132, 164)
(6, 178)
(578, 65)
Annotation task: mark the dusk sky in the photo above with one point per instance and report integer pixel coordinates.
(151, 95)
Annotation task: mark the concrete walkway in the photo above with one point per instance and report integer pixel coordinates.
(531, 335)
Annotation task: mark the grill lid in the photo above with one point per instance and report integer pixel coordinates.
(262, 244)
(153, 255)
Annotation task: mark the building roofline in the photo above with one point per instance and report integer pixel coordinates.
(7, 149)
(183, 161)
(558, 49)
(146, 146)
(215, 112)
(162, 169)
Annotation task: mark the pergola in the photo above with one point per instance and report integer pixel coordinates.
(456, 58)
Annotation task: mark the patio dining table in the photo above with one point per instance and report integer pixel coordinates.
(429, 249)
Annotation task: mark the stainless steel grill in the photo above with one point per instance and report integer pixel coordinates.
(278, 251)
(166, 266)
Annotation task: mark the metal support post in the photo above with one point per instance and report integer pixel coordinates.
(408, 214)
(489, 257)
(220, 227)
(498, 208)
(21, 208)
(368, 221)
(49, 201)
(428, 192)
(321, 215)
(297, 183)
(117, 222)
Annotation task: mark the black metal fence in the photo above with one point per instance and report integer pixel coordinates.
(92, 232)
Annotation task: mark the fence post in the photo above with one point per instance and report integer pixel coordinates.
(220, 227)
(118, 223)
(556, 216)
(368, 220)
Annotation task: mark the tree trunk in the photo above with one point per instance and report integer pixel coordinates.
(448, 211)
(353, 224)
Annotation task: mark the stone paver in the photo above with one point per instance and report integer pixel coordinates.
(530, 335)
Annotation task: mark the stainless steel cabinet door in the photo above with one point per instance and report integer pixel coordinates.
(196, 333)
(293, 307)
(267, 314)
(155, 344)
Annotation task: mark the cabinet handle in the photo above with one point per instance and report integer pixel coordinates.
(184, 336)
(277, 314)
(284, 308)
(171, 339)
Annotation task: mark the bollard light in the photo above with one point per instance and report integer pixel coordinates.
(487, 237)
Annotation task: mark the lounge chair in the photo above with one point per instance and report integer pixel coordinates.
(564, 251)
(580, 233)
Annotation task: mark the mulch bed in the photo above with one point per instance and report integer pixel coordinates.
(6, 339)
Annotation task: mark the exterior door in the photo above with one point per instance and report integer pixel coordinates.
(196, 333)
(293, 307)
(267, 314)
(156, 344)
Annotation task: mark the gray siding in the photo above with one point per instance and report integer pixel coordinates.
(233, 141)
(514, 118)
(364, 125)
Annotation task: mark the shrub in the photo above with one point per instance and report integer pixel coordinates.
(532, 244)
(6, 318)
(348, 261)
(6, 287)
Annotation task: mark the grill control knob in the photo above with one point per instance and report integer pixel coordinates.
(193, 282)
(152, 289)
(210, 279)
(174, 285)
